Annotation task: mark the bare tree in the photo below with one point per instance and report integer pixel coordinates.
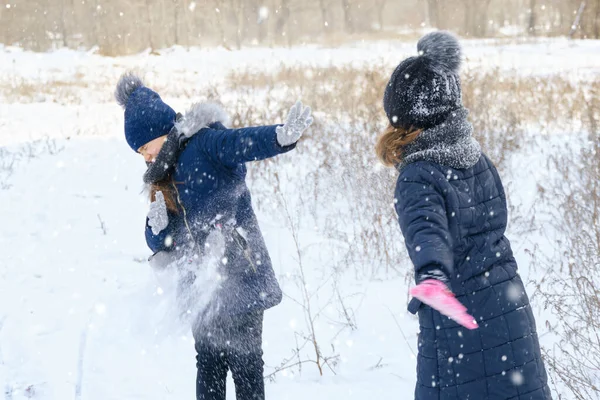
(380, 7)
(433, 13)
(324, 8)
(149, 21)
(577, 19)
(469, 28)
(348, 22)
(532, 19)
(126, 26)
(262, 21)
(176, 12)
(282, 20)
(238, 8)
(62, 22)
(597, 20)
(219, 7)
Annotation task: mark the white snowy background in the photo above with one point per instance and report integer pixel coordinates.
(81, 312)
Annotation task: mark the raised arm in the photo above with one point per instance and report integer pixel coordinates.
(232, 147)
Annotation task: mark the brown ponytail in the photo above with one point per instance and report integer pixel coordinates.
(389, 147)
(166, 186)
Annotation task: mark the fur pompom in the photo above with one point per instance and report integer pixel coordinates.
(127, 85)
(442, 50)
(199, 116)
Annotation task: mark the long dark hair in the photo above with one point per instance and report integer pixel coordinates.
(169, 191)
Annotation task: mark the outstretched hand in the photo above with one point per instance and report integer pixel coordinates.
(436, 295)
(298, 120)
(158, 218)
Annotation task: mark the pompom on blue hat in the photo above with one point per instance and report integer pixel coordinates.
(147, 117)
(425, 89)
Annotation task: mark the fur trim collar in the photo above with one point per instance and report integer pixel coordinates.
(199, 116)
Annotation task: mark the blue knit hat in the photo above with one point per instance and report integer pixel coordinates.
(425, 89)
(147, 117)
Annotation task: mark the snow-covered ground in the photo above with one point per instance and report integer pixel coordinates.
(80, 313)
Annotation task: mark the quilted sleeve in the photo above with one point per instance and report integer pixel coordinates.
(424, 223)
(232, 147)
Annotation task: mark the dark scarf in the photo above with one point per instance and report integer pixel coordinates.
(450, 144)
(165, 161)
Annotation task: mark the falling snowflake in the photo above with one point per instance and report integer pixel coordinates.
(263, 13)
(517, 378)
(513, 293)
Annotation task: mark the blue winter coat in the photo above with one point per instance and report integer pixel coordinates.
(210, 179)
(454, 220)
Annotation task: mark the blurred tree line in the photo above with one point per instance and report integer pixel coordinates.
(128, 26)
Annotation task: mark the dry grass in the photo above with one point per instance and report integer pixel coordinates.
(336, 156)
(502, 106)
(570, 283)
(17, 89)
(504, 109)
(338, 151)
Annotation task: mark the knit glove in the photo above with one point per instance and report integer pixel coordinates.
(436, 295)
(297, 122)
(157, 216)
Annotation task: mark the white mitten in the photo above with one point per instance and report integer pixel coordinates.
(298, 121)
(157, 216)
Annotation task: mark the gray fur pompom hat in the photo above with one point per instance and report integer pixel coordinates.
(425, 89)
(147, 117)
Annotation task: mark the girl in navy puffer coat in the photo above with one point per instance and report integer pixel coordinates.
(201, 217)
(477, 335)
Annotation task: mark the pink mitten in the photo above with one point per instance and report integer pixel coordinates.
(436, 295)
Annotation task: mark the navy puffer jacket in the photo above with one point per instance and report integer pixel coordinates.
(210, 179)
(454, 221)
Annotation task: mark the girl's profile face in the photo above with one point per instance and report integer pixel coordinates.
(151, 149)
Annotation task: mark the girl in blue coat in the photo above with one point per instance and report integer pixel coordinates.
(477, 335)
(201, 217)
